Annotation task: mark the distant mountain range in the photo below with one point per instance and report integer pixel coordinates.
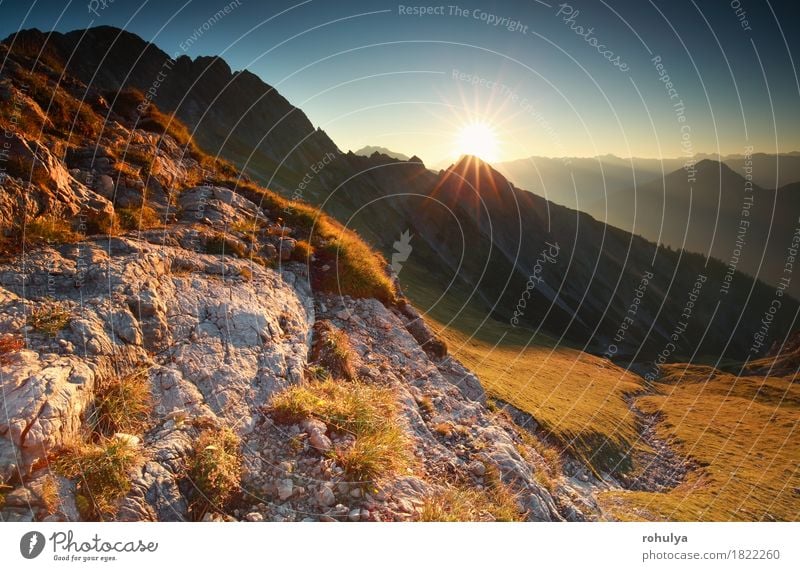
(370, 150)
(700, 211)
(530, 258)
(596, 176)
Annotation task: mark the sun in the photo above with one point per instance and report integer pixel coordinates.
(477, 139)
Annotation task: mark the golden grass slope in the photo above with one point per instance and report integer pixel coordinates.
(743, 433)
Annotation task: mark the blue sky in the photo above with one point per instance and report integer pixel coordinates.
(368, 74)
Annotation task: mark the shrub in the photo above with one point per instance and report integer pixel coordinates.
(49, 319)
(368, 413)
(49, 230)
(142, 217)
(216, 468)
(122, 404)
(101, 471)
(9, 344)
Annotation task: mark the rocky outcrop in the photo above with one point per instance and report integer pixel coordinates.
(215, 345)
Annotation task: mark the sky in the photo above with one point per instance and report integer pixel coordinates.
(506, 80)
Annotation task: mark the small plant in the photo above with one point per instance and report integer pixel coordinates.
(9, 344)
(216, 469)
(426, 406)
(122, 404)
(49, 230)
(332, 350)
(142, 217)
(49, 495)
(246, 274)
(444, 429)
(101, 471)
(368, 413)
(49, 319)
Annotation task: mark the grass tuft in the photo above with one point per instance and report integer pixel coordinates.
(122, 404)
(332, 350)
(49, 495)
(101, 471)
(368, 413)
(50, 230)
(49, 319)
(496, 502)
(142, 217)
(216, 468)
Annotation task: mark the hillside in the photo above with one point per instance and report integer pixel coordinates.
(180, 344)
(180, 341)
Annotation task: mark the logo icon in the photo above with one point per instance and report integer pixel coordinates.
(31, 544)
(402, 250)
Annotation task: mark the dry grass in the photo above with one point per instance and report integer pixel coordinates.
(142, 217)
(332, 351)
(741, 431)
(101, 471)
(302, 251)
(367, 412)
(10, 344)
(102, 223)
(354, 268)
(426, 405)
(496, 502)
(576, 397)
(49, 319)
(49, 495)
(50, 230)
(157, 122)
(216, 468)
(122, 404)
(3, 490)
